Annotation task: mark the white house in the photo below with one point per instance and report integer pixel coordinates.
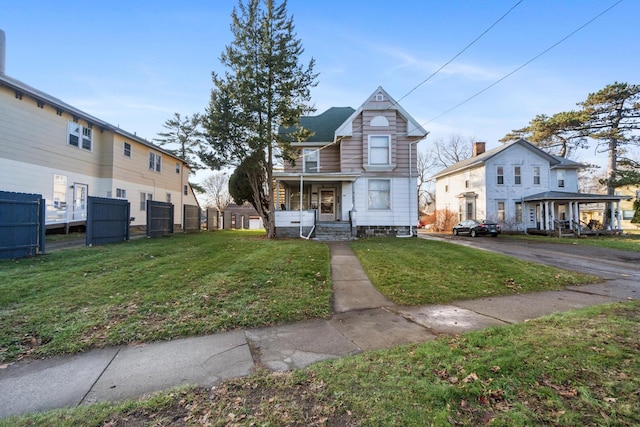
(519, 186)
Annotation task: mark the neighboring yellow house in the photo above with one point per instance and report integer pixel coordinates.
(627, 206)
(50, 148)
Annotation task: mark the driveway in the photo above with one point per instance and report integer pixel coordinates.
(609, 264)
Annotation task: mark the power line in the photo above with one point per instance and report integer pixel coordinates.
(525, 64)
(460, 53)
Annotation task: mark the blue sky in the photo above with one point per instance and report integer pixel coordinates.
(135, 63)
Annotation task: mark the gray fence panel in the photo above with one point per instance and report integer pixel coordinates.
(191, 219)
(22, 226)
(107, 220)
(159, 218)
(213, 219)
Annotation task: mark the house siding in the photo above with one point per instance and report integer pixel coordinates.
(34, 148)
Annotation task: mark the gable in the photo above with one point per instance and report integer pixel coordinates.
(381, 101)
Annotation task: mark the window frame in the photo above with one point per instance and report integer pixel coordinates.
(517, 175)
(144, 196)
(499, 175)
(127, 149)
(83, 136)
(501, 212)
(378, 201)
(536, 175)
(307, 153)
(560, 178)
(155, 162)
(375, 149)
(121, 193)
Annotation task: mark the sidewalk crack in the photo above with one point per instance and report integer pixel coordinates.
(99, 376)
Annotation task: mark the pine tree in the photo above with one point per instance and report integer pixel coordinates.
(183, 138)
(264, 87)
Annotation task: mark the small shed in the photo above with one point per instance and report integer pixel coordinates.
(239, 217)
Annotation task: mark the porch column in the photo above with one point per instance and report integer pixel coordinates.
(542, 216)
(546, 215)
(552, 215)
(577, 208)
(619, 216)
(571, 215)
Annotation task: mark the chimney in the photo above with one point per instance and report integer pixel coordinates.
(478, 148)
(2, 51)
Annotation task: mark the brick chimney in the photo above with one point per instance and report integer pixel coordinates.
(478, 148)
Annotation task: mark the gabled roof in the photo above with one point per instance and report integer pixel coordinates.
(413, 127)
(25, 89)
(472, 162)
(323, 125)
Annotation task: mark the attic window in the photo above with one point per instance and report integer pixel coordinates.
(379, 97)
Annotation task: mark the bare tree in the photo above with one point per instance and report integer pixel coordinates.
(427, 167)
(216, 190)
(452, 151)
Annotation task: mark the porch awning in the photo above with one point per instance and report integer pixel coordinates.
(293, 178)
(565, 196)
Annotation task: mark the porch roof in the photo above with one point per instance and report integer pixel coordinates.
(291, 177)
(573, 197)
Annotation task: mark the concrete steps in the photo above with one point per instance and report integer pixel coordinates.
(333, 231)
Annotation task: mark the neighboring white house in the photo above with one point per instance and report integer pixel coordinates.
(519, 186)
(51, 148)
(359, 168)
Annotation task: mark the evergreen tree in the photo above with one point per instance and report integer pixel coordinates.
(183, 138)
(264, 87)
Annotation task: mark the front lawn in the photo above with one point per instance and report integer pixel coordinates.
(628, 242)
(157, 289)
(578, 368)
(419, 271)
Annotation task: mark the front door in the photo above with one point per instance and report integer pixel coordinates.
(80, 201)
(327, 204)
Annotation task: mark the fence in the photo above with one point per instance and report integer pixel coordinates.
(191, 219)
(213, 219)
(159, 218)
(107, 220)
(22, 224)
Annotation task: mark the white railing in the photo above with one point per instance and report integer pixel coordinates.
(64, 214)
(305, 218)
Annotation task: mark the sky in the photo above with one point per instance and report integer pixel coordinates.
(135, 63)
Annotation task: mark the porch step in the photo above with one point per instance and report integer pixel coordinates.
(333, 231)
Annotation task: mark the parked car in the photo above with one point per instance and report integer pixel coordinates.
(477, 228)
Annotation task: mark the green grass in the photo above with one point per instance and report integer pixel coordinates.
(628, 242)
(157, 289)
(419, 271)
(576, 368)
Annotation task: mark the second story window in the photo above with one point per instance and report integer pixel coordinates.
(155, 162)
(310, 160)
(560, 179)
(79, 136)
(536, 175)
(500, 175)
(379, 150)
(517, 175)
(126, 149)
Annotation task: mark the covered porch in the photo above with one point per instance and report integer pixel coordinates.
(305, 201)
(558, 213)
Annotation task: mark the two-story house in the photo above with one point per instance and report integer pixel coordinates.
(359, 168)
(519, 186)
(51, 148)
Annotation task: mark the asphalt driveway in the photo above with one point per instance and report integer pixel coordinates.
(609, 264)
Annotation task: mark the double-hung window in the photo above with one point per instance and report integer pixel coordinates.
(79, 136)
(379, 194)
(560, 179)
(501, 212)
(379, 150)
(500, 175)
(126, 149)
(155, 162)
(310, 160)
(143, 200)
(517, 175)
(536, 175)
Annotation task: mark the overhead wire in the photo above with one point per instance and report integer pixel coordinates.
(525, 64)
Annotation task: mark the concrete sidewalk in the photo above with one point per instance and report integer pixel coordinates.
(363, 320)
